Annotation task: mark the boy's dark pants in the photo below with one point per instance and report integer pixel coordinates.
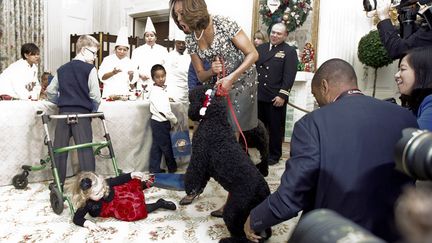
(161, 145)
(82, 133)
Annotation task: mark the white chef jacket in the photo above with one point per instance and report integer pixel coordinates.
(117, 84)
(15, 77)
(144, 57)
(177, 67)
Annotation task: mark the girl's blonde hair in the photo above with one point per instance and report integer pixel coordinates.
(260, 35)
(80, 195)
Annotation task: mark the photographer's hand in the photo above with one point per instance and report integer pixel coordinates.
(383, 9)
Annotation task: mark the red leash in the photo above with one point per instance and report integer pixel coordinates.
(221, 91)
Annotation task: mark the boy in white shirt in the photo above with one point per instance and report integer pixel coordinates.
(161, 120)
(21, 77)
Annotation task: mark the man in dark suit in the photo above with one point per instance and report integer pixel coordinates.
(277, 68)
(341, 158)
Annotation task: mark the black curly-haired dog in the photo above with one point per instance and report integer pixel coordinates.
(217, 154)
(258, 138)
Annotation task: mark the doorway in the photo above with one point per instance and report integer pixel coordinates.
(160, 19)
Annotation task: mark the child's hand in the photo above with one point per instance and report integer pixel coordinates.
(116, 70)
(92, 226)
(137, 175)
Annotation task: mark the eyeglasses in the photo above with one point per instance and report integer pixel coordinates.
(93, 52)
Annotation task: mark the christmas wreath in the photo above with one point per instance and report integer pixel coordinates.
(292, 13)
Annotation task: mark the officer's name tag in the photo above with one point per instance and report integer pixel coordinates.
(280, 54)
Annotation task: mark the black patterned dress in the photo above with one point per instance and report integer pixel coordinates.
(244, 93)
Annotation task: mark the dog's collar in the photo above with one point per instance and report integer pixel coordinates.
(209, 95)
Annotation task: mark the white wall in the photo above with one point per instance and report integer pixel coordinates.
(240, 10)
(341, 26)
(64, 17)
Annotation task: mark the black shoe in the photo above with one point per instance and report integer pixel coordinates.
(188, 199)
(272, 162)
(166, 204)
(217, 213)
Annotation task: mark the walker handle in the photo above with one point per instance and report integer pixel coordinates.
(96, 114)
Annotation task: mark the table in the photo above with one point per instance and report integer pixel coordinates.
(128, 124)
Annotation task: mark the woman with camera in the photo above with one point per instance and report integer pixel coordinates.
(411, 34)
(414, 81)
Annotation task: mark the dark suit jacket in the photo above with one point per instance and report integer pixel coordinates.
(277, 69)
(342, 159)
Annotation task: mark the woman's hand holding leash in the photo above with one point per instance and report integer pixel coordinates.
(224, 82)
(216, 66)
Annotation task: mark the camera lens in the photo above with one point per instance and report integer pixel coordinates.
(413, 154)
(324, 226)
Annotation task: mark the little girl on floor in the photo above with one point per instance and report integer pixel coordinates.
(121, 197)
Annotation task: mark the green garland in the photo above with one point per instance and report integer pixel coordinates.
(292, 13)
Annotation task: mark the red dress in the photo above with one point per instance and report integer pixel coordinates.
(128, 203)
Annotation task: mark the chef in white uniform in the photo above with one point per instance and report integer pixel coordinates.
(177, 67)
(117, 70)
(147, 55)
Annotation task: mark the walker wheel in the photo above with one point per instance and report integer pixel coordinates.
(56, 200)
(20, 181)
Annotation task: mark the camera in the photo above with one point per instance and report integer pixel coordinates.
(413, 153)
(325, 226)
(407, 14)
(408, 11)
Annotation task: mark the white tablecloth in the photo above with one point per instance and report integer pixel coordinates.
(128, 124)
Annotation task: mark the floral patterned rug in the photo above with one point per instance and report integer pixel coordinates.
(26, 216)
